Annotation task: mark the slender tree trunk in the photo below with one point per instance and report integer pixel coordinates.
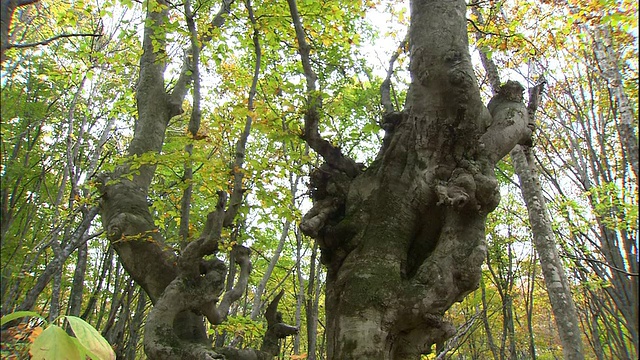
(311, 308)
(597, 346)
(510, 327)
(118, 301)
(300, 295)
(55, 265)
(54, 305)
(608, 62)
(558, 287)
(257, 299)
(529, 304)
(563, 306)
(116, 333)
(105, 266)
(135, 326)
(485, 322)
(113, 273)
(77, 289)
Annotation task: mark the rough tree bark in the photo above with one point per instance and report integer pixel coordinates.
(404, 239)
(8, 7)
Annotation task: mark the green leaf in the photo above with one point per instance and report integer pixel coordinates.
(54, 344)
(91, 339)
(17, 315)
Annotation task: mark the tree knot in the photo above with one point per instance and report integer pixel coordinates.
(329, 187)
(459, 191)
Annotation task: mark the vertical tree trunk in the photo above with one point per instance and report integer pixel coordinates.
(257, 298)
(77, 288)
(558, 287)
(593, 312)
(608, 62)
(485, 322)
(531, 276)
(105, 266)
(135, 326)
(112, 273)
(564, 310)
(509, 325)
(116, 333)
(311, 308)
(55, 265)
(54, 305)
(300, 295)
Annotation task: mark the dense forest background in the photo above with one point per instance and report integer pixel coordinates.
(69, 79)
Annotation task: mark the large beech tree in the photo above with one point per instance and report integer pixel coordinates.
(402, 240)
(405, 238)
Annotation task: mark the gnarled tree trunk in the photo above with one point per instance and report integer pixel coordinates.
(404, 239)
(186, 288)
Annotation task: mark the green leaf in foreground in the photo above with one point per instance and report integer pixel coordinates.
(54, 344)
(17, 315)
(91, 339)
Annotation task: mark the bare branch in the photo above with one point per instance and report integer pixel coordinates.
(604, 263)
(506, 36)
(47, 41)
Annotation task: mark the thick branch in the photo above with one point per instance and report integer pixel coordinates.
(385, 87)
(510, 125)
(331, 154)
(131, 230)
(183, 294)
(242, 256)
(276, 329)
(207, 244)
(125, 212)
